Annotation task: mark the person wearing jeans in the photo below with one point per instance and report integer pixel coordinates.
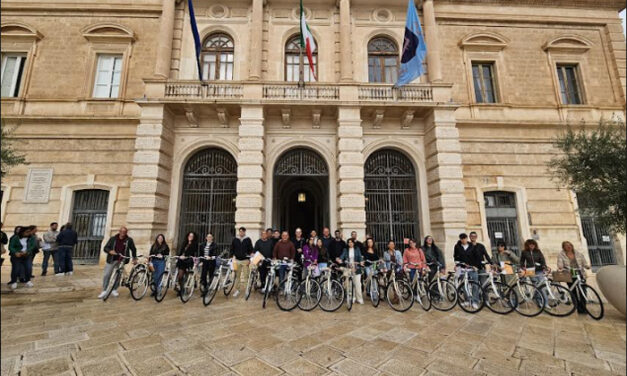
(19, 251)
(118, 245)
(465, 252)
(66, 241)
(50, 247)
(158, 251)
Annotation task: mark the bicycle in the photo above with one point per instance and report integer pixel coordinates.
(419, 287)
(191, 279)
(168, 278)
(524, 296)
(288, 296)
(592, 300)
(442, 292)
(349, 281)
(253, 276)
(469, 292)
(309, 290)
(116, 278)
(221, 280)
(268, 286)
(371, 285)
(495, 292)
(333, 293)
(139, 279)
(559, 300)
(398, 292)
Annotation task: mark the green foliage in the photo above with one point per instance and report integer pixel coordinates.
(9, 157)
(594, 165)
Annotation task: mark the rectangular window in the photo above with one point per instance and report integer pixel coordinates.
(12, 70)
(108, 73)
(569, 84)
(484, 82)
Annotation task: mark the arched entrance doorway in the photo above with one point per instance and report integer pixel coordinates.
(301, 191)
(208, 197)
(391, 198)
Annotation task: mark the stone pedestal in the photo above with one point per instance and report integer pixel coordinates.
(447, 204)
(251, 172)
(350, 167)
(152, 172)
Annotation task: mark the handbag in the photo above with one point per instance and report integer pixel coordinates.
(529, 272)
(562, 276)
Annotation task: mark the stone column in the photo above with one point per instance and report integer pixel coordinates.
(444, 179)
(434, 65)
(251, 171)
(346, 51)
(152, 172)
(256, 40)
(350, 167)
(164, 46)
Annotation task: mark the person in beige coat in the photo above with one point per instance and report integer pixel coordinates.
(570, 258)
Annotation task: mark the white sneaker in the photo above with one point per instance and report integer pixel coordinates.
(13, 286)
(59, 274)
(29, 284)
(263, 290)
(102, 294)
(360, 301)
(475, 306)
(69, 273)
(115, 293)
(236, 293)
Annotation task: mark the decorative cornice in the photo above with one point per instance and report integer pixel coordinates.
(19, 30)
(568, 44)
(483, 41)
(616, 5)
(108, 32)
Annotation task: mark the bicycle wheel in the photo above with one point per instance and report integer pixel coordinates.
(350, 293)
(332, 295)
(151, 282)
(375, 298)
(422, 292)
(252, 279)
(497, 298)
(208, 296)
(310, 293)
(400, 296)
(443, 296)
(139, 285)
(163, 287)
(470, 297)
(187, 287)
(113, 281)
(229, 284)
(592, 302)
(287, 297)
(526, 299)
(559, 301)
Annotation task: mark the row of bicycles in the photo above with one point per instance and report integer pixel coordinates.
(332, 286)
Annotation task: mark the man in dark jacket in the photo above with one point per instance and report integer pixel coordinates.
(481, 254)
(241, 249)
(326, 238)
(265, 247)
(66, 240)
(337, 246)
(118, 245)
(359, 245)
(465, 252)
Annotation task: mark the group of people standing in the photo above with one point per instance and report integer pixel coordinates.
(25, 243)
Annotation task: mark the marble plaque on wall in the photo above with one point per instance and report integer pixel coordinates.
(38, 183)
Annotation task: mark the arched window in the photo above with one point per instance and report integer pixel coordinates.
(292, 61)
(382, 60)
(217, 57)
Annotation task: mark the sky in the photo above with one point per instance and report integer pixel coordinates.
(622, 15)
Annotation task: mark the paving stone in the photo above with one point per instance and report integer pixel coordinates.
(49, 367)
(401, 367)
(205, 367)
(232, 354)
(37, 356)
(345, 343)
(96, 353)
(152, 367)
(104, 367)
(349, 367)
(255, 367)
(447, 368)
(300, 366)
(323, 355)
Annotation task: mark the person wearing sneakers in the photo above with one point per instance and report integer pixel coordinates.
(241, 249)
(19, 247)
(118, 245)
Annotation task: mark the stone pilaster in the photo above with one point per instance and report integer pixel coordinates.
(152, 172)
(166, 33)
(350, 168)
(256, 40)
(346, 50)
(447, 203)
(251, 171)
(434, 64)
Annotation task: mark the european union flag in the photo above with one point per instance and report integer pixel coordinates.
(197, 44)
(414, 48)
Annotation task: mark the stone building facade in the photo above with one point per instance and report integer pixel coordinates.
(118, 130)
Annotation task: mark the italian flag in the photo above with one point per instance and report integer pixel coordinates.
(307, 40)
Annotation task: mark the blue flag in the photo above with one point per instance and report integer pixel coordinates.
(414, 48)
(197, 44)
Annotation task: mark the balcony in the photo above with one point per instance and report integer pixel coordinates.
(243, 92)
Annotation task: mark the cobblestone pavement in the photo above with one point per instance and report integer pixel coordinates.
(59, 327)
